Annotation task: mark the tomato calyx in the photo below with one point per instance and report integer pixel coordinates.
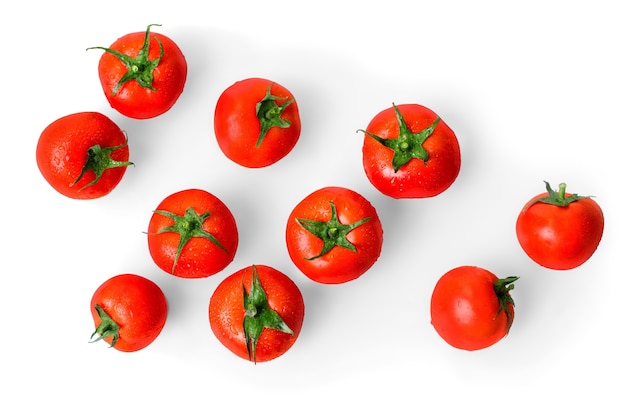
(140, 68)
(407, 145)
(258, 315)
(188, 226)
(98, 160)
(268, 111)
(332, 233)
(107, 327)
(502, 287)
(558, 198)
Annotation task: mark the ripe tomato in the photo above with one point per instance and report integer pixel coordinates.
(142, 74)
(257, 313)
(409, 152)
(559, 230)
(129, 312)
(83, 155)
(334, 235)
(471, 308)
(256, 122)
(192, 234)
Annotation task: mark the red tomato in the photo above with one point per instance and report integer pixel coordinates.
(142, 74)
(192, 234)
(334, 235)
(471, 308)
(83, 155)
(257, 313)
(409, 152)
(129, 312)
(559, 230)
(256, 122)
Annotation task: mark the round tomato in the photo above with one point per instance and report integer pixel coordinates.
(256, 122)
(257, 313)
(129, 312)
(192, 234)
(83, 155)
(559, 230)
(334, 235)
(409, 152)
(471, 308)
(142, 74)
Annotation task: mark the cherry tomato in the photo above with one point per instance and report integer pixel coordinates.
(83, 155)
(471, 308)
(257, 313)
(256, 122)
(409, 152)
(129, 312)
(192, 234)
(334, 235)
(560, 230)
(142, 74)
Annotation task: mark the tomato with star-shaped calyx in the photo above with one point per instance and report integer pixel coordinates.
(257, 313)
(142, 74)
(192, 234)
(560, 230)
(256, 122)
(83, 155)
(334, 235)
(409, 152)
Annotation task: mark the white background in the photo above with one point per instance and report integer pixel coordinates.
(534, 91)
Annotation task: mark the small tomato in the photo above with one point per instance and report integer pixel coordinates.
(471, 308)
(192, 234)
(83, 155)
(409, 152)
(142, 74)
(560, 230)
(334, 235)
(256, 122)
(129, 312)
(257, 313)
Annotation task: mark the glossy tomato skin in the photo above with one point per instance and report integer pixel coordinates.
(415, 179)
(136, 304)
(63, 150)
(560, 238)
(237, 127)
(340, 264)
(200, 257)
(226, 312)
(168, 82)
(465, 309)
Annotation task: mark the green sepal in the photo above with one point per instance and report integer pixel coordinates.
(140, 68)
(98, 160)
(407, 145)
(258, 315)
(502, 287)
(558, 198)
(268, 111)
(107, 327)
(188, 226)
(333, 232)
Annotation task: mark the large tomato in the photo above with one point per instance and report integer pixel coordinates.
(192, 234)
(334, 235)
(257, 313)
(409, 152)
(256, 122)
(83, 155)
(129, 312)
(142, 74)
(471, 308)
(560, 230)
